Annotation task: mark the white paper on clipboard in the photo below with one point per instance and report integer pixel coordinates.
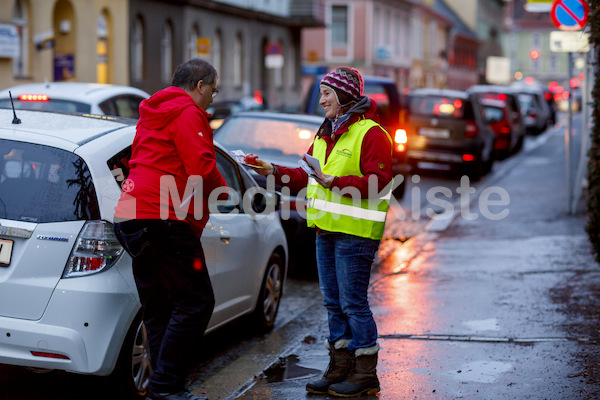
(313, 162)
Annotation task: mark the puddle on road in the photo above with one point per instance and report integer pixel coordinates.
(481, 371)
(286, 369)
(490, 324)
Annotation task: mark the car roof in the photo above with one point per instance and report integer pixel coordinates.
(493, 103)
(78, 91)
(367, 79)
(439, 92)
(280, 115)
(489, 89)
(67, 131)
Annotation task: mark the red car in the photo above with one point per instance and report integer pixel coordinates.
(496, 113)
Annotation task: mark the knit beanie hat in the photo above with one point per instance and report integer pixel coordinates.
(347, 84)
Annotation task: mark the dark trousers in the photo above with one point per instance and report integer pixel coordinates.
(175, 291)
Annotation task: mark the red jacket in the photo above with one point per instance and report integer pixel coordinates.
(376, 157)
(173, 138)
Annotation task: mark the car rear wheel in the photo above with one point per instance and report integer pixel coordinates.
(270, 294)
(133, 370)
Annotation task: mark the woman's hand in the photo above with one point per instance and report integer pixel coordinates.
(324, 179)
(267, 167)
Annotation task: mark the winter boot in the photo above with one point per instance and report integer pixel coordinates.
(363, 378)
(340, 365)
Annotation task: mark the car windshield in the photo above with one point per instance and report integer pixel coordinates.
(47, 105)
(44, 184)
(440, 106)
(280, 139)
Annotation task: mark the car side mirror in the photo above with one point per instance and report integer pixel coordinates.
(266, 201)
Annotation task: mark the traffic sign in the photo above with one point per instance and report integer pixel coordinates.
(569, 42)
(569, 15)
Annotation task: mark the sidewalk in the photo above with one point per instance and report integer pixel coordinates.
(479, 309)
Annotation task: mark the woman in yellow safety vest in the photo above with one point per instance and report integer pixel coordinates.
(347, 204)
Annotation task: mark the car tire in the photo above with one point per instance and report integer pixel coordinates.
(271, 291)
(133, 370)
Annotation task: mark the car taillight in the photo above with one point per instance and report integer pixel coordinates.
(34, 97)
(400, 140)
(96, 249)
(471, 129)
(505, 129)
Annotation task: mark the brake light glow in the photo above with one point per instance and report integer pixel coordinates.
(49, 355)
(96, 249)
(502, 96)
(505, 129)
(471, 129)
(457, 103)
(34, 97)
(468, 157)
(400, 139)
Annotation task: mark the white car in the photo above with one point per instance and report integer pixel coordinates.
(68, 300)
(76, 97)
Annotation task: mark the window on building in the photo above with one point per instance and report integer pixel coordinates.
(291, 67)
(102, 53)
(192, 47)
(553, 62)
(238, 57)
(21, 63)
(137, 50)
(536, 40)
(166, 54)
(535, 65)
(339, 26)
(398, 36)
(217, 51)
(406, 35)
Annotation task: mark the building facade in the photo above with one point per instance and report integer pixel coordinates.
(255, 46)
(62, 40)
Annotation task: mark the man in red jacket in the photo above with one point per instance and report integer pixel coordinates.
(172, 154)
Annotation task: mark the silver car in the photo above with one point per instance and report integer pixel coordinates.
(67, 296)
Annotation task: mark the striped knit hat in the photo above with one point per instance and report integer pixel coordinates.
(347, 84)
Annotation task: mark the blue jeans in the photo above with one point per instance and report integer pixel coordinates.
(175, 291)
(344, 265)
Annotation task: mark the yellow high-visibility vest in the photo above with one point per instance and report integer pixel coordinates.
(334, 212)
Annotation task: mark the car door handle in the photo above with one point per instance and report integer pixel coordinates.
(225, 236)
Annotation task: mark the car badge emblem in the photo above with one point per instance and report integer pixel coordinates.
(434, 121)
(53, 238)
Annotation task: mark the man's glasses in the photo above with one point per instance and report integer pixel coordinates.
(215, 91)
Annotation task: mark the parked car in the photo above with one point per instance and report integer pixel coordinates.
(220, 110)
(448, 127)
(517, 133)
(534, 108)
(67, 295)
(390, 107)
(497, 115)
(76, 97)
(282, 139)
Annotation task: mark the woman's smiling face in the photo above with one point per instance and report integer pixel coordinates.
(329, 102)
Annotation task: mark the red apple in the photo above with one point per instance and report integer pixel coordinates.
(250, 158)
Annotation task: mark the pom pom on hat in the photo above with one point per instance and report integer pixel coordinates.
(347, 84)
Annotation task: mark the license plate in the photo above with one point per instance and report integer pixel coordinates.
(434, 133)
(5, 252)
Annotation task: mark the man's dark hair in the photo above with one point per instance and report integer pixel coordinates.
(188, 74)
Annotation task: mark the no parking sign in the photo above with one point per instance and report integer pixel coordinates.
(569, 15)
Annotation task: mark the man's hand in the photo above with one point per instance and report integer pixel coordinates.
(324, 179)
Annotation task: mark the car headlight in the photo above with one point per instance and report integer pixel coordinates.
(96, 249)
